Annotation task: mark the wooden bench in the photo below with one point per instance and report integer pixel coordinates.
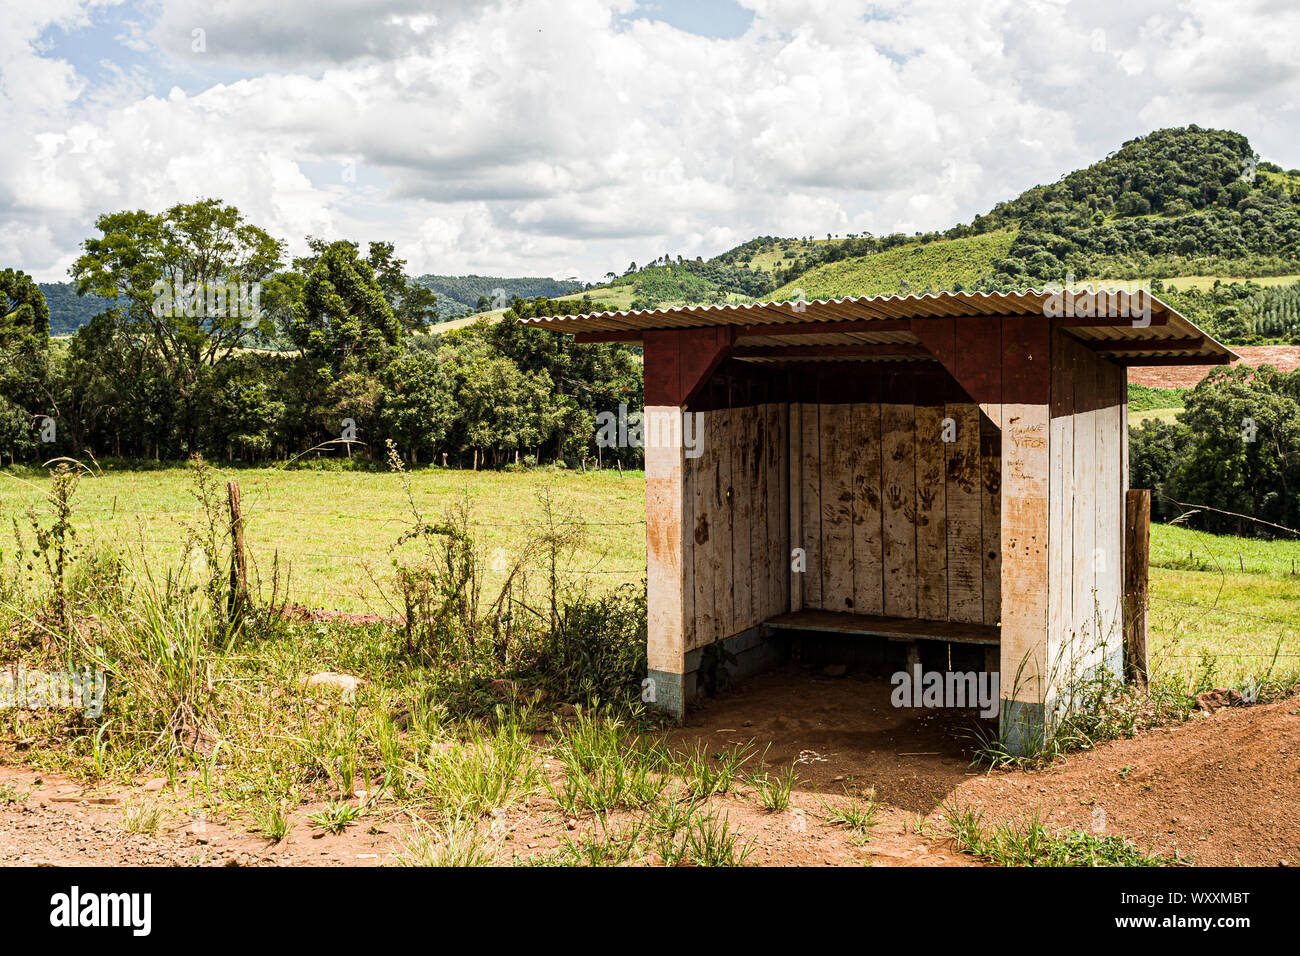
(903, 629)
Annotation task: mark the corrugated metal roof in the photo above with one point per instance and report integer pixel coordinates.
(1169, 339)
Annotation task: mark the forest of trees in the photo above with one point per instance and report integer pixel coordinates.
(335, 350)
(1240, 313)
(1236, 447)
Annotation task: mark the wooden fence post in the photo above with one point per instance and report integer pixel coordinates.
(238, 600)
(1137, 556)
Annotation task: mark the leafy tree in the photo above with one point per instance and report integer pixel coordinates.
(1156, 448)
(24, 316)
(415, 305)
(1246, 457)
(24, 361)
(505, 409)
(246, 407)
(419, 409)
(1235, 448)
(343, 320)
(170, 276)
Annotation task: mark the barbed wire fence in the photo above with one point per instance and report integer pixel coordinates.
(136, 525)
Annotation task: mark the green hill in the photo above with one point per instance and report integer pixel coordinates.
(1174, 202)
(944, 264)
(668, 282)
(69, 311)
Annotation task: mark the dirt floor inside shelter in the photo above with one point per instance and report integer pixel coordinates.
(1223, 788)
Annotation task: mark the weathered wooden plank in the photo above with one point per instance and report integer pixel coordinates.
(991, 516)
(1026, 656)
(898, 498)
(907, 628)
(1123, 461)
(760, 555)
(1110, 528)
(778, 528)
(794, 498)
(868, 526)
(704, 515)
(964, 497)
(664, 544)
(1060, 621)
(837, 508)
(1083, 571)
(742, 440)
(1024, 661)
(690, 478)
(810, 491)
(931, 514)
(764, 496)
(724, 502)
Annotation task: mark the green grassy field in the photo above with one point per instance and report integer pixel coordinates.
(783, 252)
(1223, 602)
(335, 530)
(1158, 414)
(936, 264)
(1207, 282)
(1235, 599)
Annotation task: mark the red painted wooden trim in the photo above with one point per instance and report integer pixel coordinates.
(831, 351)
(679, 362)
(1153, 345)
(1094, 322)
(1026, 360)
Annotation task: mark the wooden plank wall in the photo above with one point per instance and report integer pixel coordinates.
(1088, 480)
(736, 495)
(895, 520)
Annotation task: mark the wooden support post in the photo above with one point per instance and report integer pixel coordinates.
(1137, 554)
(238, 598)
(666, 543)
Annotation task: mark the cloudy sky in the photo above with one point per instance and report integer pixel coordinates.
(568, 137)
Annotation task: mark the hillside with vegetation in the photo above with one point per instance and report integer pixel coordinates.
(462, 295)
(1239, 313)
(923, 266)
(669, 281)
(69, 311)
(1177, 201)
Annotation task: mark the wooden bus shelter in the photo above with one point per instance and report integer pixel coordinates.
(948, 467)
